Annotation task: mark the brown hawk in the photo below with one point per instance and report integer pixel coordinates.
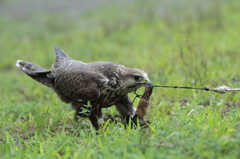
(102, 84)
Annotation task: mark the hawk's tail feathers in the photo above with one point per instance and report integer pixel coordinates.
(36, 72)
(29, 67)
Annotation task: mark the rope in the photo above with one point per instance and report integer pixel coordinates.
(222, 89)
(205, 88)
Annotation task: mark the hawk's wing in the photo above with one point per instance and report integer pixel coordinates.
(75, 79)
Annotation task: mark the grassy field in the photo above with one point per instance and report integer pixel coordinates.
(183, 43)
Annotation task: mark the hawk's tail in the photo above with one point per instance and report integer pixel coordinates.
(38, 73)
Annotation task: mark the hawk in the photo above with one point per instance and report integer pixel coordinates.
(90, 86)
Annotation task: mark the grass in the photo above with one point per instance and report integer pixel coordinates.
(193, 43)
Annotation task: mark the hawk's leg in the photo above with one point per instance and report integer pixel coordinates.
(82, 110)
(125, 107)
(95, 116)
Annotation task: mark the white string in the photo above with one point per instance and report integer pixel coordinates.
(223, 89)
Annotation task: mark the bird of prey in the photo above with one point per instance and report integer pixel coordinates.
(89, 86)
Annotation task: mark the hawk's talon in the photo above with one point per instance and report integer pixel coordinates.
(135, 120)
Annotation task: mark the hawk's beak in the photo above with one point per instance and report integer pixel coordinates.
(147, 82)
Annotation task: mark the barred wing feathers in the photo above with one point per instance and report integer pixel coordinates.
(79, 82)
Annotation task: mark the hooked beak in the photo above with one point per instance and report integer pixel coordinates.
(147, 82)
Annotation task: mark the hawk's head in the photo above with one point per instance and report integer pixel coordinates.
(135, 78)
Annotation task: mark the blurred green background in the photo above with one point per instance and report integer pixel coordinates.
(177, 42)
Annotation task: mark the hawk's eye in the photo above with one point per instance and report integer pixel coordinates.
(137, 78)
